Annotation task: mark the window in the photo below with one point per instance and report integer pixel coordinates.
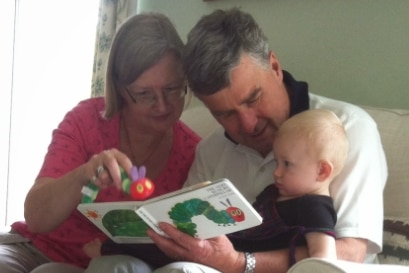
(47, 71)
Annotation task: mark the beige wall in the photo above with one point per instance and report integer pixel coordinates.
(357, 51)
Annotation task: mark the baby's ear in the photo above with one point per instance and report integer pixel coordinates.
(324, 171)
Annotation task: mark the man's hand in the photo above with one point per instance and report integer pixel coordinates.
(217, 252)
(351, 249)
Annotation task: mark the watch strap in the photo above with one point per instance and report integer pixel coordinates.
(250, 262)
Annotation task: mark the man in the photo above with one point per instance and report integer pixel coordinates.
(232, 71)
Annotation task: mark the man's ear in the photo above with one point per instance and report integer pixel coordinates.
(324, 170)
(275, 65)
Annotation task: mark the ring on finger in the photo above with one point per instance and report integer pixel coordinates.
(100, 169)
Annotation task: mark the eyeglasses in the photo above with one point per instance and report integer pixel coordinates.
(148, 98)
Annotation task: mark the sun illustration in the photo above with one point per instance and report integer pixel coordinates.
(93, 214)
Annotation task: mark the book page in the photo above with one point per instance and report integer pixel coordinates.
(203, 212)
(117, 220)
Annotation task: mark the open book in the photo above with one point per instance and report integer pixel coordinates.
(204, 210)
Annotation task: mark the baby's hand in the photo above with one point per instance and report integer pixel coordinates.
(93, 248)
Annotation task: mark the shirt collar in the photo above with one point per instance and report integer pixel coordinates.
(298, 94)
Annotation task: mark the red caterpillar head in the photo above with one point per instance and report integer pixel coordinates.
(141, 187)
(236, 213)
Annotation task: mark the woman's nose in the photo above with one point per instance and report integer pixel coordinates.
(161, 104)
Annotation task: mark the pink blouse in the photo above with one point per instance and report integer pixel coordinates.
(83, 133)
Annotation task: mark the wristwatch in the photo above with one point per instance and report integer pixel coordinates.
(250, 262)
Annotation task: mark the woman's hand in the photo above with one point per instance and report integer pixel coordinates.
(103, 169)
(51, 201)
(217, 252)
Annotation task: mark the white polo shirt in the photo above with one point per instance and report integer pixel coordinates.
(357, 191)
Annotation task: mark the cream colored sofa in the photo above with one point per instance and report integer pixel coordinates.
(394, 129)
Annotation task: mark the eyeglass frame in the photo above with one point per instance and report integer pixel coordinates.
(152, 100)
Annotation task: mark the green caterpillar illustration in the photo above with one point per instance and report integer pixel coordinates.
(182, 214)
(124, 222)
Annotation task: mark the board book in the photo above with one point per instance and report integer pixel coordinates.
(204, 211)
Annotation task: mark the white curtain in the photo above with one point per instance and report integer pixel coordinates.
(46, 71)
(111, 14)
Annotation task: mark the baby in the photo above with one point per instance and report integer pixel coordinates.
(310, 149)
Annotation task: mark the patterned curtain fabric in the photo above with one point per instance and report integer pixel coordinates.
(111, 14)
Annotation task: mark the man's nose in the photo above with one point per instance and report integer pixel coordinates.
(248, 121)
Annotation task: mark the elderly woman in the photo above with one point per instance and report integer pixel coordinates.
(136, 123)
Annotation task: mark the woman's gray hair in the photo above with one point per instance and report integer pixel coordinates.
(214, 47)
(139, 43)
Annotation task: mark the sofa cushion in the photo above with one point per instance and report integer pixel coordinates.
(200, 120)
(395, 241)
(394, 130)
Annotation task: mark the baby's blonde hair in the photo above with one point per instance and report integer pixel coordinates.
(324, 134)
